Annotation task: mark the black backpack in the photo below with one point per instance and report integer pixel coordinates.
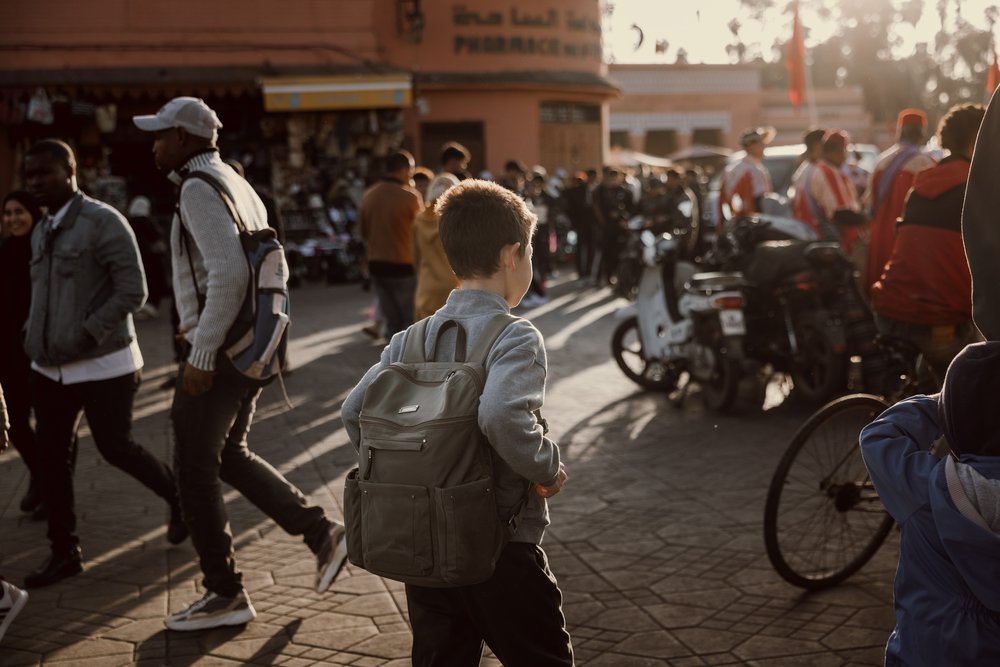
(255, 346)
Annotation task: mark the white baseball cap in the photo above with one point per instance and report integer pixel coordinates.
(190, 113)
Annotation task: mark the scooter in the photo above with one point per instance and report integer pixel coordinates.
(682, 321)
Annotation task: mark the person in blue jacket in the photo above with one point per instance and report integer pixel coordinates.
(947, 589)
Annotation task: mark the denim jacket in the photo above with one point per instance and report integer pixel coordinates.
(86, 281)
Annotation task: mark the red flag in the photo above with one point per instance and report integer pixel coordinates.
(992, 76)
(795, 62)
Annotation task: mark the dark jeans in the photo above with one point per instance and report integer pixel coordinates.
(395, 297)
(210, 433)
(517, 613)
(15, 377)
(108, 406)
(585, 250)
(611, 249)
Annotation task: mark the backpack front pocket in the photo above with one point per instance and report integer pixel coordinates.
(352, 519)
(470, 536)
(396, 529)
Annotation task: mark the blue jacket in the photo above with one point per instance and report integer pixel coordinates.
(947, 589)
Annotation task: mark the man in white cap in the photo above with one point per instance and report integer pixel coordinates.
(212, 412)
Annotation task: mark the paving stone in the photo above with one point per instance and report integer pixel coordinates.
(705, 640)
(762, 647)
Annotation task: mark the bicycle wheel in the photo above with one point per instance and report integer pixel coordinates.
(823, 519)
(626, 348)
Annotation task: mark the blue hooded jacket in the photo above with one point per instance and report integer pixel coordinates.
(947, 588)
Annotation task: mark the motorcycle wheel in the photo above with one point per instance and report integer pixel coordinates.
(719, 391)
(822, 372)
(626, 348)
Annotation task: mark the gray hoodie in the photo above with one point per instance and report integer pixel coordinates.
(515, 387)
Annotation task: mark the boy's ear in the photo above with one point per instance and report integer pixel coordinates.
(508, 255)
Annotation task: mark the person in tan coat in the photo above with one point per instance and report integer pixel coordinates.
(435, 279)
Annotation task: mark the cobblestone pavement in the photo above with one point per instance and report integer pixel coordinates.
(656, 539)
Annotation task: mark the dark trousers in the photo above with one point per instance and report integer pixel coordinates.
(585, 250)
(517, 613)
(15, 377)
(210, 433)
(611, 250)
(108, 406)
(395, 297)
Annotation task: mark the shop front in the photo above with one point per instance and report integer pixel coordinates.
(509, 80)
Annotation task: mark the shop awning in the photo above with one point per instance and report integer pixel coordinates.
(315, 93)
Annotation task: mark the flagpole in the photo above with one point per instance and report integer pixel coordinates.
(810, 94)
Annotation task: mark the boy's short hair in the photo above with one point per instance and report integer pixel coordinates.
(968, 399)
(960, 125)
(476, 219)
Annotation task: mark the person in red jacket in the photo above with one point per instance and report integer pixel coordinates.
(891, 180)
(924, 293)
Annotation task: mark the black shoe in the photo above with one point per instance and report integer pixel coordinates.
(177, 530)
(32, 499)
(56, 568)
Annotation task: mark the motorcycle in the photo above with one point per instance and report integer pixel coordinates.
(681, 321)
(795, 290)
(678, 222)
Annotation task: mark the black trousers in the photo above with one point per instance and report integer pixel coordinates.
(108, 406)
(15, 377)
(210, 434)
(517, 613)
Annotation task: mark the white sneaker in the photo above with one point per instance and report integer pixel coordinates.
(12, 601)
(331, 557)
(213, 611)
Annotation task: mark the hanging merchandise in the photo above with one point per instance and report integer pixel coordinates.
(107, 118)
(40, 108)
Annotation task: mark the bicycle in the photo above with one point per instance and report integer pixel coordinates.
(823, 520)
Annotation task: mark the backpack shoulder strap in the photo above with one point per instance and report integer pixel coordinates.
(413, 343)
(227, 199)
(496, 326)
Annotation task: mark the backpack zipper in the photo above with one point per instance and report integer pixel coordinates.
(428, 383)
(437, 423)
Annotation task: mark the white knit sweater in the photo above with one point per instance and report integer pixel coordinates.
(219, 262)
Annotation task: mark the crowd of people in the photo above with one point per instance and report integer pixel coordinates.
(452, 248)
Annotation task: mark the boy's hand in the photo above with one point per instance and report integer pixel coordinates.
(549, 491)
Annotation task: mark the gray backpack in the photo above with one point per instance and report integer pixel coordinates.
(421, 507)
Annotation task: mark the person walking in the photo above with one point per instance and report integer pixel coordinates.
(20, 215)
(86, 282)
(212, 410)
(435, 279)
(486, 234)
(388, 209)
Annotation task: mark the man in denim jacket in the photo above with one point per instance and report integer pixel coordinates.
(86, 281)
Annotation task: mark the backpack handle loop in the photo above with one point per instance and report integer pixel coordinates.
(460, 341)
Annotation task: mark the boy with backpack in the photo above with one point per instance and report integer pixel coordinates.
(408, 515)
(947, 589)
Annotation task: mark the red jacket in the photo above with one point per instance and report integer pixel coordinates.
(926, 280)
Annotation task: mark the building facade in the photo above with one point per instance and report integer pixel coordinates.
(309, 91)
(668, 108)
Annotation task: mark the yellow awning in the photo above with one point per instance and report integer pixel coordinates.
(314, 93)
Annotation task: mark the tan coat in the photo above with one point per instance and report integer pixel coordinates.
(435, 279)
